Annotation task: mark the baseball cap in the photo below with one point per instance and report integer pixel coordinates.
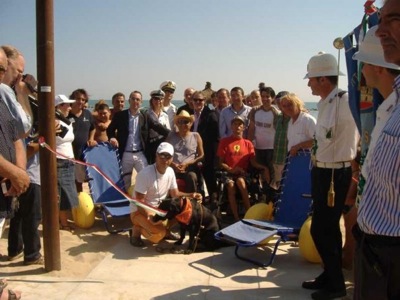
(60, 99)
(165, 147)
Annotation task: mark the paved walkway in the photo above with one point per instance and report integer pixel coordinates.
(126, 272)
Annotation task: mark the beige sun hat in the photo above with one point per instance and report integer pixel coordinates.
(183, 115)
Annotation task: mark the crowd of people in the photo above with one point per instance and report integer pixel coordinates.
(232, 132)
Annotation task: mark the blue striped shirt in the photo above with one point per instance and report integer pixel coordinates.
(379, 210)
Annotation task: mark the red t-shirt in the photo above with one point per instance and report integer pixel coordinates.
(236, 152)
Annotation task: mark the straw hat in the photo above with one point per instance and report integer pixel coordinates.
(183, 115)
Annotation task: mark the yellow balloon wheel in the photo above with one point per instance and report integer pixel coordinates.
(261, 212)
(84, 213)
(306, 244)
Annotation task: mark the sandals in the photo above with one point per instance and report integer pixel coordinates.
(136, 241)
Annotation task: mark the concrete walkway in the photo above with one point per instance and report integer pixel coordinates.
(125, 272)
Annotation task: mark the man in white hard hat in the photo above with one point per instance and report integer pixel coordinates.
(377, 263)
(335, 146)
(378, 74)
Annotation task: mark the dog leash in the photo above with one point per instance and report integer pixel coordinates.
(197, 237)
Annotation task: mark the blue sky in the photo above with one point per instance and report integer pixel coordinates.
(106, 46)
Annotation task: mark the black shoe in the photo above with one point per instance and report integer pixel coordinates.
(315, 284)
(136, 241)
(327, 294)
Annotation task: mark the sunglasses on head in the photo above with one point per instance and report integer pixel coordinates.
(164, 155)
(183, 122)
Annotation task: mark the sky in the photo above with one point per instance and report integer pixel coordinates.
(109, 46)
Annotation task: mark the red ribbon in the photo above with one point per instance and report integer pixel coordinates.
(159, 212)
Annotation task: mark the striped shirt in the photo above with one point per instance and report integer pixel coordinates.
(379, 211)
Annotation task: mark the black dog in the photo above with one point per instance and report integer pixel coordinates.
(195, 218)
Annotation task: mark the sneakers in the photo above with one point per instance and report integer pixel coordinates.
(37, 261)
(15, 257)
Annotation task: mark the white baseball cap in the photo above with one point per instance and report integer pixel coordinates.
(165, 147)
(60, 99)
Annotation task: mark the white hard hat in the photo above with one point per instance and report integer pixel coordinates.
(370, 51)
(322, 64)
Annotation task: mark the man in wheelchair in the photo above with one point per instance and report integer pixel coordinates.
(236, 154)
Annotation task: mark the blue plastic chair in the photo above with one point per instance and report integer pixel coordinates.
(292, 209)
(110, 202)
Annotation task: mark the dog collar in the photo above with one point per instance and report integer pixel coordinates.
(186, 213)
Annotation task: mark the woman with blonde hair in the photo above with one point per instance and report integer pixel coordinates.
(301, 127)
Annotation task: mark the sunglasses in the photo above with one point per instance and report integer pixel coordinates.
(183, 122)
(164, 155)
(198, 100)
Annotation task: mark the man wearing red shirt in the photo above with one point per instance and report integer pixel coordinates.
(235, 155)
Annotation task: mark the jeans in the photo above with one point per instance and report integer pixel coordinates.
(23, 233)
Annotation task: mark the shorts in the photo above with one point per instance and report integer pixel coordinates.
(66, 184)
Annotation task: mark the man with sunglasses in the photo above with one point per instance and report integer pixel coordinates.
(206, 124)
(154, 184)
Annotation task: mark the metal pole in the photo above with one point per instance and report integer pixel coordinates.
(48, 167)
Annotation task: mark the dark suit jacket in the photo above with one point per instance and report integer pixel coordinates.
(119, 129)
(209, 132)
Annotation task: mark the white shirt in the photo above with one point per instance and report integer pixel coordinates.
(264, 133)
(154, 185)
(64, 145)
(303, 129)
(383, 113)
(171, 111)
(336, 131)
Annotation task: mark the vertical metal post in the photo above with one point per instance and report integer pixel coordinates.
(48, 167)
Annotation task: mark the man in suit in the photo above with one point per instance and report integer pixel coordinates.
(128, 131)
(206, 124)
